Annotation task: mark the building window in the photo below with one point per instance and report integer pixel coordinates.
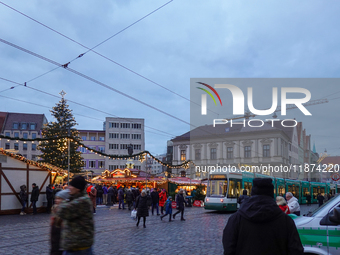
(93, 138)
(92, 164)
(16, 146)
(124, 125)
(101, 164)
(25, 135)
(198, 154)
(84, 163)
(32, 126)
(183, 155)
(230, 152)
(16, 134)
(136, 136)
(213, 153)
(124, 136)
(101, 149)
(23, 125)
(124, 146)
(15, 125)
(34, 147)
(82, 149)
(247, 152)
(266, 151)
(34, 135)
(136, 126)
(83, 138)
(34, 157)
(8, 134)
(101, 138)
(7, 146)
(113, 146)
(137, 147)
(113, 135)
(92, 148)
(24, 146)
(113, 125)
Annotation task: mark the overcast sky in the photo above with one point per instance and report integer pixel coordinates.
(182, 40)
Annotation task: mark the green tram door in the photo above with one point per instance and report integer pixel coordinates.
(294, 188)
(305, 190)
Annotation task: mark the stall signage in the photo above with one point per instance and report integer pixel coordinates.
(174, 205)
(216, 176)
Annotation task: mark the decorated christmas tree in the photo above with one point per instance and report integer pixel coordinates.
(55, 150)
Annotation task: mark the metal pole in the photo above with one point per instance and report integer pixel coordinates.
(68, 163)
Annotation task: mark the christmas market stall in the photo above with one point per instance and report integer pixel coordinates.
(128, 178)
(15, 171)
(185, 183)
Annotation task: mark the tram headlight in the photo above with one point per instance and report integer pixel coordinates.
(222, 200)
(207, 199)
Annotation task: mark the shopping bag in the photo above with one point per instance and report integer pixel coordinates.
(134, 214)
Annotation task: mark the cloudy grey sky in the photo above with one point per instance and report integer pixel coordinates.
(182, 40)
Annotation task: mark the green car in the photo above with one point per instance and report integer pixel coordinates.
(320, 230)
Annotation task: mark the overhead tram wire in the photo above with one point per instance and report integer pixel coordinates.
(91, 49)
(106, 86)
(86, 106)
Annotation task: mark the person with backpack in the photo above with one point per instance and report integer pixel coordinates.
(168, 209)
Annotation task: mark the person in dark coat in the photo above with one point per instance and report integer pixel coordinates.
(142, 207)
(110, 193)
(243, 197)
(34, 197)
(168, 208)
(121, 197)
(129, 198)
(180, 201)
(115, 193)
(320, 199)
(155, 201)
(24, 198)
(309, 199)
(100, 192)
(259, 215)
(49, 197)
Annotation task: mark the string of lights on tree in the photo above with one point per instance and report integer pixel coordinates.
(63, 140)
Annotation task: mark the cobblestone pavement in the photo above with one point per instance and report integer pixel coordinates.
(116, 233)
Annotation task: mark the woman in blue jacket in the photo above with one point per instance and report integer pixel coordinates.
(168, 208)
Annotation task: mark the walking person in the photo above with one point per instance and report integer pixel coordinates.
(49, 197)
(168, 208)
(281, 202)
(162, 200)
(93, 196)
(110, 193)
(34, 197)
(155, 201)
(77, 233)
(121, 197)
(24, 198)
(142, 207)
(293, 204)
(56, 222)
(104, 195)
(243, 197)
(320, 199)
(129, 199)
(309, 199)
(180, 204)
(243, 233)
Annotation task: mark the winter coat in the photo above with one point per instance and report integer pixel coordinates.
(242, 198)
(88, 190)
(155, 197)
(244, 232)
(93, 195)
(49, 193)
(180, 201)
(129, 196)
(35, 194)
(23, 194)
(162, 198)
(110, 191)
(320, 199)
(100, 192)
(104, 190)
(285, 209)
(78, 226)
(293, 205)
(168, 207)
(142, 206)
(120, 194)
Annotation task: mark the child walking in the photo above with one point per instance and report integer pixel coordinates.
(168, 209)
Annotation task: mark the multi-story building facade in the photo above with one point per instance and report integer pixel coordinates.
(223, 145)
(94, 139)
(22, 125)
(154, 167)
(120, 133)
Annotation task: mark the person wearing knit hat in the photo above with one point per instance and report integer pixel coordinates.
(257, 216)
(63, 194)
(168, 209)
(77, 215)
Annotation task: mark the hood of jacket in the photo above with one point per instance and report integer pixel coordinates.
(260, 208)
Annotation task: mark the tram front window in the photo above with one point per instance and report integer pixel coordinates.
(218, 188)
(234, 188)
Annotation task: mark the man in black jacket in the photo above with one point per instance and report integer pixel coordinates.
(180, 201)
(49, 197)
(260, 227)
(34, 197)
(155, 200)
